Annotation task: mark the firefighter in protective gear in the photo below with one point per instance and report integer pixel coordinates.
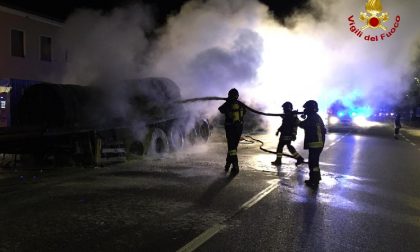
(288, 130)
(314, 140)
(234, 112)
(397, 125)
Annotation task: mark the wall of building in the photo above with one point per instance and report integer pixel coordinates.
(29, 67)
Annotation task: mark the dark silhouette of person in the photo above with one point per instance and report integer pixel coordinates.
(397, 125)
(288, 131)
(234, 112)
(314, 140)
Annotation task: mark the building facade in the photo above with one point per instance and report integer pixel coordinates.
(29, 54)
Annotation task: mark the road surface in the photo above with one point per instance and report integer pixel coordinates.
(368, 200)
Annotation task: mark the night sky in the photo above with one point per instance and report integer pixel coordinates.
(162, 8)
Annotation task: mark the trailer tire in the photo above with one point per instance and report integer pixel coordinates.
(192, 136)
(176, 138)
(203, 130)
(136, 148)
(158, 142)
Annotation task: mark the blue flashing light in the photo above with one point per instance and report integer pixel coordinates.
(351, 106)
(364, 111)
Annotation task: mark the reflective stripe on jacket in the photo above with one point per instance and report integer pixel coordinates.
(289, 126)
(314, 131)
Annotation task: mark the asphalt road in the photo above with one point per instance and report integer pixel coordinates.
(368, 200)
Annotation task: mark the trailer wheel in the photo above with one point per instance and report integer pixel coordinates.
(176, 138)
(137, 148)
(203, 130)
(192, 136)
(158, 143)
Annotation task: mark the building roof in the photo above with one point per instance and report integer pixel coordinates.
(26, 14)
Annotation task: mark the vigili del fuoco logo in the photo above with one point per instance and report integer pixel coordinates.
(374, 19)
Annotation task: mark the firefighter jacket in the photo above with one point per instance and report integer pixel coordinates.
(234, 112)
(314, 131)
(288, 128)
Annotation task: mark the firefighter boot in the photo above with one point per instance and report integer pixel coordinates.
(314, 178)
(312, 183)
(228, 163)
(235, 168)
(317, 176)
(227, 166)
(299, 161)
(277, 162)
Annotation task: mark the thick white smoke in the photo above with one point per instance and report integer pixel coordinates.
(212, 46)
(318, 58)
(106, 47)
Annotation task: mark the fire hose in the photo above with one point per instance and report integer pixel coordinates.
(214, 98)
(265, 150)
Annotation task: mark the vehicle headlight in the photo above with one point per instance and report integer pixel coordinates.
(360, 121)
(333, 120)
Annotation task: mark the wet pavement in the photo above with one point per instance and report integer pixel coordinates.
(368, 200)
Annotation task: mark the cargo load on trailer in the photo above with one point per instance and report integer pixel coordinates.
(94, 123)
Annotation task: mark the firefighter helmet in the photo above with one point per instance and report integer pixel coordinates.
(233, 94)
(311, 106)
(287, 106)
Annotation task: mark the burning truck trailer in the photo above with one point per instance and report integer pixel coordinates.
(100, 124)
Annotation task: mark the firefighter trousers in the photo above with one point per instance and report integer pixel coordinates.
(233, 136)
(313, 160)
(290, 147)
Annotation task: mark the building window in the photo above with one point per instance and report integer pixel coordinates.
(3, 105)
(46, 48)
(18, 44)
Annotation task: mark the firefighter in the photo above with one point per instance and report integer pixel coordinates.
(234, 112)
(397, 125)
(288, 130)
(314, 140)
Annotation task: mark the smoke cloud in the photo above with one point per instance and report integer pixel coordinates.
(211, 46)
(106, 47)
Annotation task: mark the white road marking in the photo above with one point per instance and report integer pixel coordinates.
(201, 239)
(209, 233)
(327, 164)
(335, 142)
(259, 196)
(409, 141)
